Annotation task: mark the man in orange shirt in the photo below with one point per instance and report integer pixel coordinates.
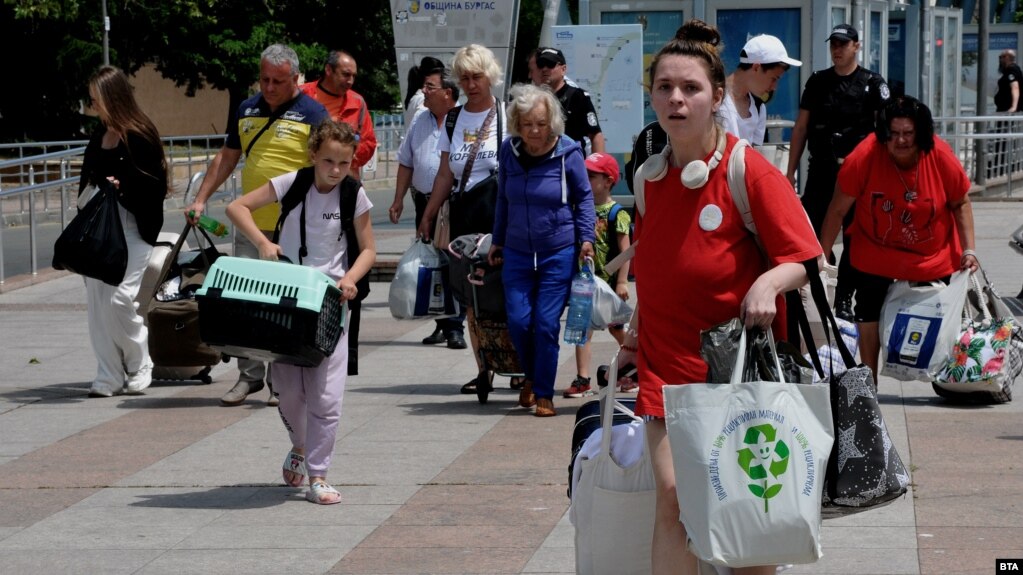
(334, 91)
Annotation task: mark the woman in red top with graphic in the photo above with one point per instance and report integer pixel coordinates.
(913, 220)
(698, 265)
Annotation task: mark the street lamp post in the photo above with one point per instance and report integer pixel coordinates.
(106, 35)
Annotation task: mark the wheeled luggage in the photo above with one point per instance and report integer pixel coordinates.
(478, 286)
(168, 305)
(270, 311)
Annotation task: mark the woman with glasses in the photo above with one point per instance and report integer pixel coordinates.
(913, 220)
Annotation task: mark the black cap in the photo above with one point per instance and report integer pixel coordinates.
(845, 33)
(550, 55)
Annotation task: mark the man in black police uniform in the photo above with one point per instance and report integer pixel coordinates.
(1007, 96)
(836, 112)
(580, 116)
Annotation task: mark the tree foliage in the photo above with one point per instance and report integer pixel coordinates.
(196, 43)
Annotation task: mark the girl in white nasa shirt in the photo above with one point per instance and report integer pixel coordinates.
(311, 396)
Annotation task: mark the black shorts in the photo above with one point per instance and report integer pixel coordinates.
(871, 291)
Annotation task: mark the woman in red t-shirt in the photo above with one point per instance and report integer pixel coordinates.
(698, 265)
(913, 220)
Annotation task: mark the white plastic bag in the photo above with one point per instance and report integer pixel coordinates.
(608, 308)
(749, 461)
(921, 324)
(420, 285)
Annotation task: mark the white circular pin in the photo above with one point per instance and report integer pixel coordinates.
(710, 217)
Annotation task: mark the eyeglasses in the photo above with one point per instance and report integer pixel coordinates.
(427, 88)
(544, 64)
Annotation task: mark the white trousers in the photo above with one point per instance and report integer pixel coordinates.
(119, 336)
(311, 404)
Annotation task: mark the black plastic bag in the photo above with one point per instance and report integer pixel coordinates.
(93, 244)
(719, 344)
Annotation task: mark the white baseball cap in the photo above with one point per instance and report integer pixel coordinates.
(765, 49)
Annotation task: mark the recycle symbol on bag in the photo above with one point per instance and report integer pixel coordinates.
(764, 459)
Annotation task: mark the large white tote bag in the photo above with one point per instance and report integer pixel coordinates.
(613, 506)
(749, 462)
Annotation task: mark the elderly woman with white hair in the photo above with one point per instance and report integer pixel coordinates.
(543, 223)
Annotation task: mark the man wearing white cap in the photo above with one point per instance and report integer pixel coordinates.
(836, 112)
(762, 63)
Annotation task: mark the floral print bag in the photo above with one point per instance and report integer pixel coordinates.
(988, 356)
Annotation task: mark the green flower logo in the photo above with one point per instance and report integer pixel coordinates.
(765, 458)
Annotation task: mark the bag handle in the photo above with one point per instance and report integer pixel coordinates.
(740, 358)
(820, 299)
(608, 406)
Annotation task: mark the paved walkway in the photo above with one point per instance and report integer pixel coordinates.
(433, 482)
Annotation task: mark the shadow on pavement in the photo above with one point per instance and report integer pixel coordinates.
(224, 497)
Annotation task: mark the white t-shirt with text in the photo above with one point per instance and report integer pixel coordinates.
(462, 140)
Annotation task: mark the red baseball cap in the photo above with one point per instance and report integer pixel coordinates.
(603, 164)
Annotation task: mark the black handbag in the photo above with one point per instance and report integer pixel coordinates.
(864, 469)
(93, 244)
(472, 211)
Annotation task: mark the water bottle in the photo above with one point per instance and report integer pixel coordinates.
(580, 305)
(210, 225)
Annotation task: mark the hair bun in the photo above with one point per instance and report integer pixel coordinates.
(697, 30)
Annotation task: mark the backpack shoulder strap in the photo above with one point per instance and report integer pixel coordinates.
(737, 184)
(292, 198)
(349, 199)
(450, 120)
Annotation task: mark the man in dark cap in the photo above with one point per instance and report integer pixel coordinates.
(580, 115)
(836, 112)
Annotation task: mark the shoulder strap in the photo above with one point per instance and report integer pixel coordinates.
(450, 120)
(292, 198)
(612, 216)
(274, 116)
(737, 184)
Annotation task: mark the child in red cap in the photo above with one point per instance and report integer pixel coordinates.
(613, 225)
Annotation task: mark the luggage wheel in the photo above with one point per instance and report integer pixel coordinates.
(484, 385)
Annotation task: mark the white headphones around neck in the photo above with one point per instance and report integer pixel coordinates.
(696, 173)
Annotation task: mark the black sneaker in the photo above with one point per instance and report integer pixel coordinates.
(844, 308)
(456, 341)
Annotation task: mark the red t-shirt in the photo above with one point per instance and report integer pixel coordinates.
(896, 237)
(697, 260)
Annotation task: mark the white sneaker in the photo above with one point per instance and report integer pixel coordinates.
(102, 390)
(140, 380)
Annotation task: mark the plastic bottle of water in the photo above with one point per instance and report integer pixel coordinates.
(211, 225)
(580, 307)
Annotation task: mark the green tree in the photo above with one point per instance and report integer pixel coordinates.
(193, 42)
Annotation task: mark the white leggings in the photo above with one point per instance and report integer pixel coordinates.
(311, 404)
(119, 336)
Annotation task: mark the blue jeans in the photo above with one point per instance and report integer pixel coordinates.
(536, 287)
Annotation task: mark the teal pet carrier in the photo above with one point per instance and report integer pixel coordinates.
(270, 311)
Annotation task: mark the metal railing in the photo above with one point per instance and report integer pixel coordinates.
(44, 172)
(990, 149)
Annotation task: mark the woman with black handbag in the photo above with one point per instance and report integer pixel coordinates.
(468, 146)
(125, 152)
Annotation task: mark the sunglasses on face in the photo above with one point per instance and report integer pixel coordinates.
(545, 64)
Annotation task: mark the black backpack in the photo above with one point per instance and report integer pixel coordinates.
(349, 195)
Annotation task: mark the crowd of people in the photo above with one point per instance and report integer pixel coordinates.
(534, 173)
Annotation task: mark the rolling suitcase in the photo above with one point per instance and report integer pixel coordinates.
(172, 312)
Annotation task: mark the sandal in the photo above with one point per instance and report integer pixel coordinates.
(516, 383)
(526, 397)
(469, 388)
(294, 465)
(322, 493)
(545, 407)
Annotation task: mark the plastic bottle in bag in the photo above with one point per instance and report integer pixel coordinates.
(580, 307)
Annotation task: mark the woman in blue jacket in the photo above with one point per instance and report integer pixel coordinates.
(544, 221)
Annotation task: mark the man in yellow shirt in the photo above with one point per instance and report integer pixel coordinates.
(272, 129)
